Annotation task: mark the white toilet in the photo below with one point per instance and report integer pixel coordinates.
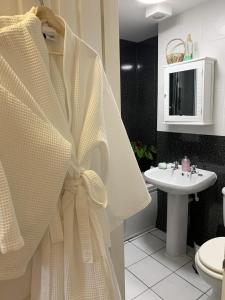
(209, 261)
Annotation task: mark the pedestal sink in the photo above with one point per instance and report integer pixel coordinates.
(178, 185)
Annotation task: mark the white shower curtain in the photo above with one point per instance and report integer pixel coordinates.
(81, 16)
(84, 18)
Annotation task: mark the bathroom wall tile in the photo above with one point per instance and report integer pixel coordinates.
(133, 286)
(148, 243)
(173, 263)
(174, 287)
(139, 89)
(189, 274)
(215, 30)
(149, 271)
(219, 105)
(132, 254)
(148, 295)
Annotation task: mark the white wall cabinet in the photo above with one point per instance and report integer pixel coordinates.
(188, 92)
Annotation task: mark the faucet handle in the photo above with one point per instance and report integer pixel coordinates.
(193, 169)
(176, 164)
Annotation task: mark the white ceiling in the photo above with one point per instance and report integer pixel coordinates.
(133, 24)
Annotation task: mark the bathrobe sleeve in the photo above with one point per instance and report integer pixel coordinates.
(34, 161)
(127, 192)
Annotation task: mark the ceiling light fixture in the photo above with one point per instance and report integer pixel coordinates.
(127, 67)
(151, 1)
(158, 12)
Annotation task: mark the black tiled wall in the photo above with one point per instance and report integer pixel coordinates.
(139, 89)
(129, 94)
(208, 152)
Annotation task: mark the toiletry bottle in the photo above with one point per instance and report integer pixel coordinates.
(189, 48)
(186, 164)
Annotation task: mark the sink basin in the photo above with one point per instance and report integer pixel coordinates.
(180, 183)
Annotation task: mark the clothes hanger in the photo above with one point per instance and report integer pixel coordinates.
(50, 21)
(45, 14)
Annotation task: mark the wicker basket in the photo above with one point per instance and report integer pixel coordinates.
(177, 56)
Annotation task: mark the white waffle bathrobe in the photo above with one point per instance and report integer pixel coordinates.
(67, 174)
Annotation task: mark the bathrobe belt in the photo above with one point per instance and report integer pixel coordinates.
(78, 192)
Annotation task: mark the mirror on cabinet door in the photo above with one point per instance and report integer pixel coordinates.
(188, 92)
(182, 100)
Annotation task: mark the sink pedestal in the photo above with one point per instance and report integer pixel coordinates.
(177, 220)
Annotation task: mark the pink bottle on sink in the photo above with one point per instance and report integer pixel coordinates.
(186, 164)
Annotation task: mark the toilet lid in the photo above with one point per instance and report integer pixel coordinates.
(211, 254)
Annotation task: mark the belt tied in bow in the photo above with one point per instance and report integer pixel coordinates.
(78, 192)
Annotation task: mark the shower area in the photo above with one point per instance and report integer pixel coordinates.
(139, 71)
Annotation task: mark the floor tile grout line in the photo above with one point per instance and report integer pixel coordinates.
(172, 271)
(190, 283)
(204, 294)
(136, 261)
(157, 294)
(138, 278)
(147, 255)
(161, 280)
(181, 278)
(156, 250)
(183, 265)
(150, 231)
(200, 296)
(145, 292)
(169, 267)
(139, 248)
(158, 237)
(163, 265)
(150, 255)
(153, 253)
(147, 252)
(140, 294)
(144, 233)
(175, 272)
(150, 287)
(140, 235)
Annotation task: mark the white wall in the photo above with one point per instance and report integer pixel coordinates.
(206, 23)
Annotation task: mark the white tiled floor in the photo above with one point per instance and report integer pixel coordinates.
(132, 254)
(152, 275)
(148, 243)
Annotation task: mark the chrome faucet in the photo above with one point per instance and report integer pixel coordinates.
(175, 165)
(193, 169)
